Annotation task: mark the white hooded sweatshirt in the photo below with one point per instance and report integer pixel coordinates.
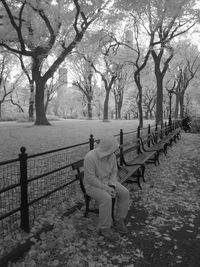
(100, 166)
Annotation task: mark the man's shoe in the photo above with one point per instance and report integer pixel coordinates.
(109, 234)
(120, 226)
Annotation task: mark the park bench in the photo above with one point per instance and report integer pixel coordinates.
(163, 138)
(126, 174)
(146, 148)
(129, 172)
(158, 144)
(133, 158)
(156, 141)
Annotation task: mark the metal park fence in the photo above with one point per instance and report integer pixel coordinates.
(32, 184)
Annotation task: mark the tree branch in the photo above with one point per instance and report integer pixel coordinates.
(16, 104)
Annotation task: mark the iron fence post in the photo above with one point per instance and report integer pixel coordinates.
(166, 128)
(121, 148)
(24, 191)
(156, 133)
(149, 138)
(91, 140)
(138, 141)
(161, 133)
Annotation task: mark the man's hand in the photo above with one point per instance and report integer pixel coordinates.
(111, 190)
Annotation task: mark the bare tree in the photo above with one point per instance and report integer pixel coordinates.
(27, 72)
(149, 102)
(82, 73)
(4, 91)
(118, 91)
(167, 20)
(107, 67)
(185, 74)
(39, 34)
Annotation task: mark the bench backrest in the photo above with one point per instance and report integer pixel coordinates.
(126, 150)
(78, 167)
(159, 134)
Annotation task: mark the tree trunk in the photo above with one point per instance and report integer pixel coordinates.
(0, 109)
(119, 108)
(139, 102)
(176, 106)
(39, 104)
(116, 105)
(105, 110)
(159, 103)
(147, 115)
(31, 103)
(39, 92)
(46, 105)
(140, 112)
(181, 101)
(159, 80)
(89, 107)
(116, 110)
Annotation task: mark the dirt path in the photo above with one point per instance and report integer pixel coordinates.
(167, 216)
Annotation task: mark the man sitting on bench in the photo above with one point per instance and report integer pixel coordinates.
(100, 181)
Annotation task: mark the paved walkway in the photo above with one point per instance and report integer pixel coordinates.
(163, 222)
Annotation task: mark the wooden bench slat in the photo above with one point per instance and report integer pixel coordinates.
(126, 174)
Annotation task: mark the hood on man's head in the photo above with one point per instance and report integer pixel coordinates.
(107, 146)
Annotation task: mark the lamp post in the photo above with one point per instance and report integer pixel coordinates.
(170, 107)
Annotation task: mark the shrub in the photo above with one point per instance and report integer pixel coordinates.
(195, 125)
(7, 118)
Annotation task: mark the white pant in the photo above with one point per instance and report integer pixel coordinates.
(105, 204)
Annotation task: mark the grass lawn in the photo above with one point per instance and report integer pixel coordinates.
(64, 133)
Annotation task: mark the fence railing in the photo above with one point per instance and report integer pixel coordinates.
(32, 184)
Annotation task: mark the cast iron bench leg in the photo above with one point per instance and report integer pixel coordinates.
(157, 157)
(87, 207)
(113, 208)
(165, 149)
(87, 204)
(143, 170)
